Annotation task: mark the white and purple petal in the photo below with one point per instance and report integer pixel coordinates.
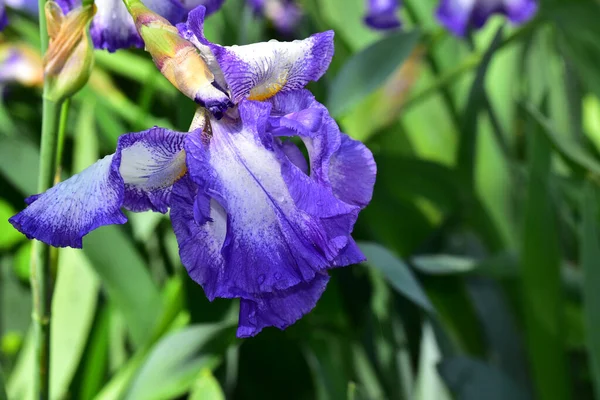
(258, 71)
(243, 228)
(383, 14)
(458, 15)
(29, 6)
(280, 309)
(138, 177)
(113, 28)
(151, 161)
(65, 213)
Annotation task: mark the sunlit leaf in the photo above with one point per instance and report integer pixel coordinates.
(368, 69)
(206, 387)
(397, 273)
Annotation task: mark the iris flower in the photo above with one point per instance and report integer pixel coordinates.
(253, 218)
(459, 15)
(113, 28)
(21, 64)
(30, 6)
(382, 14)
(284, 14)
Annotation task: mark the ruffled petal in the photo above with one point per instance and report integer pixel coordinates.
(280, 309)
(259, 71)
(68, 211)
(383, 14)
(272, 239)
(352, 172)
(113, 28)
(152, 161)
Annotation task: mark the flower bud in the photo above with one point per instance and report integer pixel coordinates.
(178, 60)
(69, 59)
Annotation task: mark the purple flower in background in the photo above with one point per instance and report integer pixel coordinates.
(113, 28)
(284, 14)
(21, 64)
(254, 219)
(459, 15)
(382, 14)
(3, 17)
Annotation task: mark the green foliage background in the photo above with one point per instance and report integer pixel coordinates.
(483, 239)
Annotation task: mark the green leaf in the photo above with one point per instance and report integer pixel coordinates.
(397, 274)
(569, 150)
(541, 277)
(206, 387)
(3, 395)
(172, 366)
(369, 69)
(429, 385)
(471, 379)
(442, 264)
(73, 310)
(10, 236)
(468, 138)
(590, 254)
(20, 160)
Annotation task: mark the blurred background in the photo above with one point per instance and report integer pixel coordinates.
(482, 239)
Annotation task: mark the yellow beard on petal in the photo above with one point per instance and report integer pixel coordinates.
(267, 90)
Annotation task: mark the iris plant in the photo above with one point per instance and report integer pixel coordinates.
(253, 218)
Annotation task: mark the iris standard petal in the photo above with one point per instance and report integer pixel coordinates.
(113, 28)
(284, 14)
(259, 71)
(68, 211)
(29, 6)
(382, 14)
(280, 309)
(151, 162)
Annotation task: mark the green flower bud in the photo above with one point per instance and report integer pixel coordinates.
(70, 56)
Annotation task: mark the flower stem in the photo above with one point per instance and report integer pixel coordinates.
(41, 278)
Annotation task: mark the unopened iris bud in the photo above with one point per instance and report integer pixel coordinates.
(178, 60)
(69, 59)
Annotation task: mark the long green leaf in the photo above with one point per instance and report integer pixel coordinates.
(368, 69)
(397, 273)
(3, 395)
(206, 387)
(174, 363)
(590, 254)
(540, 273)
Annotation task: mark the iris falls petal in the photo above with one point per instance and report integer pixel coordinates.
(68, 211)
(139, 177)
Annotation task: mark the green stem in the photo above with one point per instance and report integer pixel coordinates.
(469, 63)
(62, 129)
(41, 278)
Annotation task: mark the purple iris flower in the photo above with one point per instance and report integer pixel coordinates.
(112, 27)
(253, 218)
(3, 17)
(284, 14)
(459, 15)
(383, 14)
